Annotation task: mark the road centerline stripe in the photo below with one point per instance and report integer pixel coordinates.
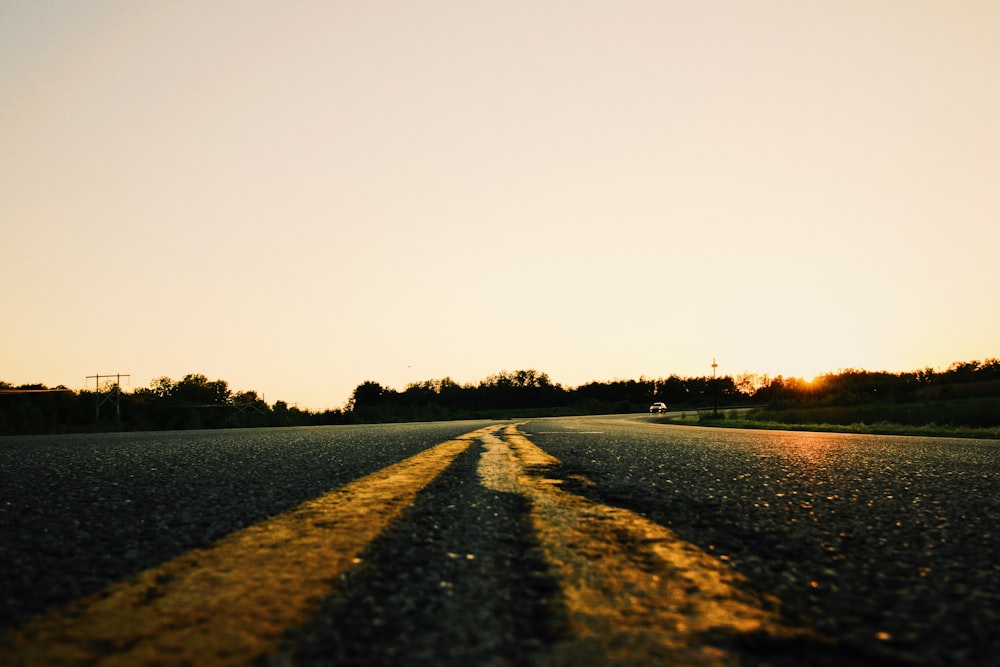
(231, 602)
(635, 593)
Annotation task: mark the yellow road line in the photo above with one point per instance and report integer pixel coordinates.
(635, 593)
(231, 602)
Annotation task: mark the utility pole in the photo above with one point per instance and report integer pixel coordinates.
(116, 393)
(715, 390)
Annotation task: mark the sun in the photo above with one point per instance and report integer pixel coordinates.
(810, 375)
(803, 371)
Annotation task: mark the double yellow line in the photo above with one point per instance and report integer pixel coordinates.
(635, 593)
(632, 590)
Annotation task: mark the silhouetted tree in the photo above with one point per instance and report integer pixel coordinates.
(369, 394)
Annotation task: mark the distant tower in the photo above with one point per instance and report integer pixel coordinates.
(114, 394)
(715, 390)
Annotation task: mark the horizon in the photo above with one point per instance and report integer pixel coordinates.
(300, 199)
(554, 381)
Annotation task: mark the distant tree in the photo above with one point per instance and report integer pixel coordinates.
(672, 391)
(518, 389)
(367, 395)
(161, 386)
(747, 383)
(962, 371)
(196, 388)
(452, 395)
(246, 398)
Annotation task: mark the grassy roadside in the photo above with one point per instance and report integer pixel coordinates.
(738, 419)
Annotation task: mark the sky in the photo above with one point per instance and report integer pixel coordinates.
(297, 197)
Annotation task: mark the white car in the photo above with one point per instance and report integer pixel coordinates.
(658, 407)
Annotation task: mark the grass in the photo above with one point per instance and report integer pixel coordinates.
(738, 419)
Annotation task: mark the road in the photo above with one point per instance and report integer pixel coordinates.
(590, 540)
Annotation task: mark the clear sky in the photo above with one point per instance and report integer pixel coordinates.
(296, 197)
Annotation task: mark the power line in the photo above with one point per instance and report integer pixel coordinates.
(34, 391)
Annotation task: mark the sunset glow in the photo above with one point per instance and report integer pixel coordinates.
(296, 199)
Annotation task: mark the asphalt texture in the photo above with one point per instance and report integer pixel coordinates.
(80, 512)
(886, 545)
(459, 580)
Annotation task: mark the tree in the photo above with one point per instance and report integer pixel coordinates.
(196, 388)
(747, 383)
(367, 395)
(161, 386)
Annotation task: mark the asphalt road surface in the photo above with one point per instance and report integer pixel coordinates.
(593, 541)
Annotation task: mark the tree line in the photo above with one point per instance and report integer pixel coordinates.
(197, 402)
(965, 394)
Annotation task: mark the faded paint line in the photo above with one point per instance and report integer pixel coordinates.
(497, 469)
(635, 593)
(231, 602)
